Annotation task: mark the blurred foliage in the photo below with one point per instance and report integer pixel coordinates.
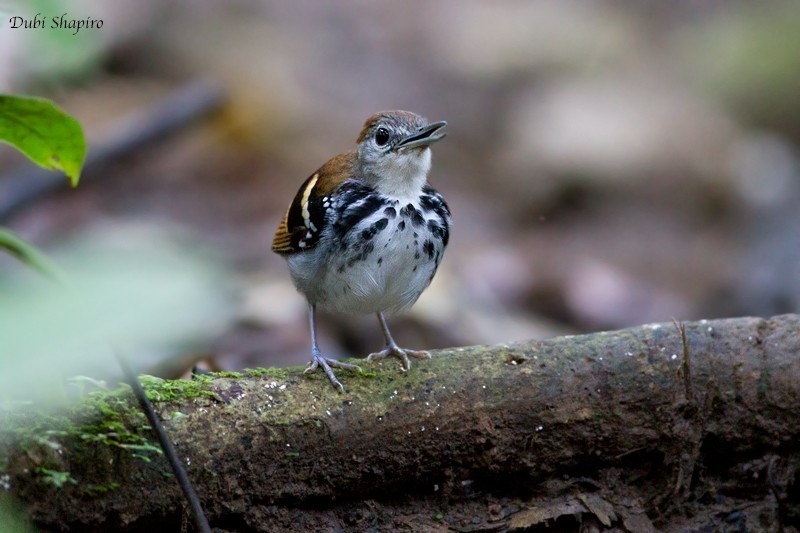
(29, 255)
(133, 290)
(12, 518)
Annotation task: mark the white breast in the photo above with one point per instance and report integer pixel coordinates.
(385, 271)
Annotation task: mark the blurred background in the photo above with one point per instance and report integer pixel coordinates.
(607, 163)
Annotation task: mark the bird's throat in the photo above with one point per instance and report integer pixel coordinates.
(402, 175)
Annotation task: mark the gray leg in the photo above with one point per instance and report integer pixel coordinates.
(319, 360)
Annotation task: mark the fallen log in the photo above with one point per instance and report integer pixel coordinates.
(640, 429)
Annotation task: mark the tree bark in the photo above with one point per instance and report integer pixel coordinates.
(633, 430)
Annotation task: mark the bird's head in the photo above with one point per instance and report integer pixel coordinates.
(393, 151)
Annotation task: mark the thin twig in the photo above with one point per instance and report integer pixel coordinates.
(200, 520)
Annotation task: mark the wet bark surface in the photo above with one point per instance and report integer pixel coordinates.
(633, 430)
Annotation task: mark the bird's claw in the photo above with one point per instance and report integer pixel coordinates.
(320, 361)
(400, 353)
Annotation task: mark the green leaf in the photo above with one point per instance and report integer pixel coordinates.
(42, 131)
(29, 255)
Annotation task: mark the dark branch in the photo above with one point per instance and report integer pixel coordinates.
(600, 423)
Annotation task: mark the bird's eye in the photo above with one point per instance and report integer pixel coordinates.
(381, 136)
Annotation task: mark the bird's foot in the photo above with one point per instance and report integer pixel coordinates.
(320, 361)
(400, 353)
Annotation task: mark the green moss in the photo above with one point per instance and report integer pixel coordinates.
(102, 418)
(120, 423)
(225, 374)
(171, 390)
(277, 373)
(102, 489)
(55, 478)
(283, 373)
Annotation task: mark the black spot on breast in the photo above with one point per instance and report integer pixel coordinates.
(367, 205)
(390, 212)
(436, 229)
(380, 260)
(439, 231)
(427, 247)
(401, 225)
(409, 211)
(416, 255)
(362, 256)
(369, 233)
(428, 202)
(375, 227)
(432, 199)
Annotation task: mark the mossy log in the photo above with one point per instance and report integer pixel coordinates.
(631, 430)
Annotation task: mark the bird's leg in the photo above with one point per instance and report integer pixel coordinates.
(319, 360)
(393, 349)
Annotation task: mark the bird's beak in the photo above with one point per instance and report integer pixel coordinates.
(423, 137)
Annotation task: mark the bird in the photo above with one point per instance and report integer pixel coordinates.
(366, 233)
